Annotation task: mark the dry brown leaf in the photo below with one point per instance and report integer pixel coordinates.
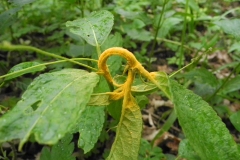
(149, 132)
(164, 68)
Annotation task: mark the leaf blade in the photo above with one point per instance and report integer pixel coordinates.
(163, 83)
(62, 150)
(235, 119)
(186, 151)
(206, 133)
(232, 85)
(24, 68)
(230, 26)
(90, 127)
(40, 114)
(94, 29)
(127, 141)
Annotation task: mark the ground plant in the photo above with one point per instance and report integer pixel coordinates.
(97, 75)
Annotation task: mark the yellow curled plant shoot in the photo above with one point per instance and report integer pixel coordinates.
(130, 125)
(132, 65)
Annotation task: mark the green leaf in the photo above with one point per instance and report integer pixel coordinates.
(143, 89)
(234, 47)
(170, 156)
(147, 152)
(9, 102)
(81, 49)
(202, 76)
(137, 23)
(142, 101)
(94, 29)
(51, 99)
(100, 99)
(205, 82)
(24, 68)
(235, 119)
(192, 3)
(120, 79)
(126, 14)
(168, 24)
(140, 34)
(128, 136)
(102, 86)
(61, 151)
(8, 17)
(114, 109)
(163, 83)
(90, 124)
(147, 88)
(21, 2)
(24, 83)
(230, 26)
(76, 50)
(206, 133)
(186, 151)
(232, 85)
(113, 40)
(222, 110)
(90, 127)
(203, 90)
(114, 62)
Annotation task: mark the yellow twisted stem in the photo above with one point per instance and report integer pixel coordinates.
(125, 92)
(127, 86)
(103, 69)
(132, 65)
(117, 94)
(125, 89)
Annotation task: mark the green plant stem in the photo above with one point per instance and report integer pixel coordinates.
(3, 153)
(229, 98)
(98, 49)
(167, 125)
(10, 27)
(183, 35)
(194, 61)
(82, 9)
(49, 63)
(229, 11)
(10, 47)
(156, 34)
(14, 152)
(223, 84)
(175, 42)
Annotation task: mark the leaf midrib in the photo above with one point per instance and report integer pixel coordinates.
(94, 35)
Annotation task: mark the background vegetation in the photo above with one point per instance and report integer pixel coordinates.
(164, 35)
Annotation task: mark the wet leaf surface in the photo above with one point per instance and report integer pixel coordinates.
(42, 108)
(201, 125)
(94, 29)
